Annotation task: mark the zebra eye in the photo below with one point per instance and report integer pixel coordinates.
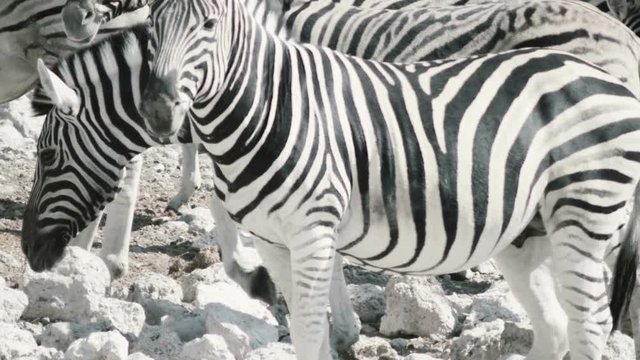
(209, 24)
(47, 156)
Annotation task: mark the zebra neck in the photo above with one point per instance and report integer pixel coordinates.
(252, 96)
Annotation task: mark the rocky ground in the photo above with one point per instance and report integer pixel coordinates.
(177, 303)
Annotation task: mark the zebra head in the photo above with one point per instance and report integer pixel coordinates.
(628, 12)
(82, 19)
(78, 171)
(190, 44)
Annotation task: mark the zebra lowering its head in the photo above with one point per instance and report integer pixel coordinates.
(402, 168)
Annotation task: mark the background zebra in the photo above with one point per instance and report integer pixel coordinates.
(608, 116)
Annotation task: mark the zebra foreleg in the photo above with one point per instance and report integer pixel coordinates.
(277, 260)
(117, 230)
(85, 238)
(345, 327)
(256, 281)
(527, 270)
(191, 179)
(312, 259)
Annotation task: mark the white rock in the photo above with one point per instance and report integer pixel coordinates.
(208, 276)
(7, 261)
(58, 335)
(158, 342)
(245, 323)
(420, 357)
(619, 347)
(208, 347)
(461, 304)
(99, 346)
(373, 348)
(275, 350)
(3, 283)
(44, 353)
(495, 303)
(139, 356)
(487, 268)
(490, 340)
(368, 301)
(11, 138)
(416, 306)
(12, 304)
(188, 327)
(199, 219)
(154, 286)
(15, 342)
(126, 317)
(64, 292)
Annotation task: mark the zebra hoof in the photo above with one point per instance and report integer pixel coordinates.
(342, 339)
(174, 204)
(117, 267)
(261, 287)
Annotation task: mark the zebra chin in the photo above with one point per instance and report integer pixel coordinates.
(43, 250)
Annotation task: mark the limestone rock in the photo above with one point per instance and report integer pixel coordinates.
(99, 346)
(368, 301)
(276, 350)
(65, 292)
(208, 347)
(619, 347)
(12, 304)
(15, 342)
(154, 286)
(416, 306)
(495, 303)
(245, 323)
(139, 356)
(373, 348)
(199, 219)
(158, 342)
(208, 276)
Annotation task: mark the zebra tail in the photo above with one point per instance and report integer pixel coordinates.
(624, 276)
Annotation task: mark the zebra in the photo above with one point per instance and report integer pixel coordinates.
(379, 29)
(577, 130)
(32, 30)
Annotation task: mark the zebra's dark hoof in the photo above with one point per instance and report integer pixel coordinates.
(262, 288)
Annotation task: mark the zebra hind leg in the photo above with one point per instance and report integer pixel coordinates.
(577, 251)
(191, 179)
(527, 271)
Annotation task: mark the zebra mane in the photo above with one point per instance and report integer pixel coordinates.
(129, 42)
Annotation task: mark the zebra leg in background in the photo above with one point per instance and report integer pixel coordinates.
(117, 230)
(85, 238)
(527, 271)
(191, 179)
(345, 327)
(256, 282)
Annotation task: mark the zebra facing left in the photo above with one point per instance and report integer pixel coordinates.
(400, 167)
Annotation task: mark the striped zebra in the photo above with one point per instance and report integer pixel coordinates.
(417, 32)
(33, 29)
(552, 138)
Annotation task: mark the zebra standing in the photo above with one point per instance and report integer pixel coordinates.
(415, 32)
(494, 161)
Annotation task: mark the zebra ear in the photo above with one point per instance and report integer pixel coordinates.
(61, 95)
(619, 8)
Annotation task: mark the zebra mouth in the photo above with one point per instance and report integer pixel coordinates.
(42, 254)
